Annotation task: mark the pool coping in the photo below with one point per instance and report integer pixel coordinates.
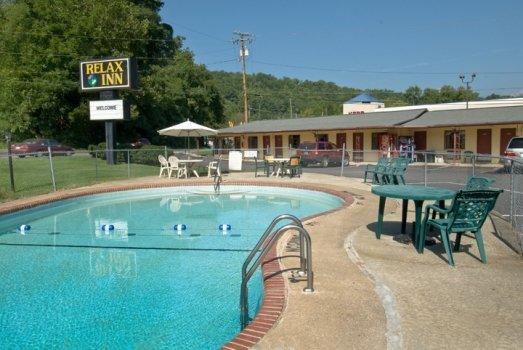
(274, 300)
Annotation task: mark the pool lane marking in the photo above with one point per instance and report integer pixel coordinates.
(121, 247)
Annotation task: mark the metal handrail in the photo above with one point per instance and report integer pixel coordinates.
(217, 183)
(244, 296)
(267, 232)
(217, 177)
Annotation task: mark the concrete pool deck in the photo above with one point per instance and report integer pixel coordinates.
(379, 294)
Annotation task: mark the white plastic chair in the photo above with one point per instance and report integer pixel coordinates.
(175, 166)
(164, 166)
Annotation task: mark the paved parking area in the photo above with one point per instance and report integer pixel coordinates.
(441, 175)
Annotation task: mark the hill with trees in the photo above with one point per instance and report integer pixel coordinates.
(271, 97)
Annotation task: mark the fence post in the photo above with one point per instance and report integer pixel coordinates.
(96, 165)
(425, 169)
(51, 166)
(165, 151)
(128, 164)
(512, 198)
(10, 161)
(342, 159)
(474, 164)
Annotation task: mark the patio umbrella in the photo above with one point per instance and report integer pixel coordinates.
(187, 129)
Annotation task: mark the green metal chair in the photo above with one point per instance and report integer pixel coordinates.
(293, 168)
(468, 213)
(393, 173)
(478, 183)
(397, 171)
(473, 184)
(379, 167)
(262, 165)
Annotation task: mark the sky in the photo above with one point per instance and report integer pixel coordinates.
(389, 44)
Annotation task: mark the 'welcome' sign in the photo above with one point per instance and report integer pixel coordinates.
(110, 74)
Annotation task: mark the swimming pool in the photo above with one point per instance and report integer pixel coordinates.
(68, 283)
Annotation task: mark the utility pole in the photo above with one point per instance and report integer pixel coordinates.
(242, 39)
(290, 103)
(468, 82)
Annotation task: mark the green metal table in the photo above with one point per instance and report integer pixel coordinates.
(418, 194)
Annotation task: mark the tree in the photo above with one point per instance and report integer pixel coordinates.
(413, 95)
(179, 91)
(430, 96)
(42, 43)
(494, 96)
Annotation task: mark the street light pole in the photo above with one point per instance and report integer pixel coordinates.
(10, 159)
(468, 82)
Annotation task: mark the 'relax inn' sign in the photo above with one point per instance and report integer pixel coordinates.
(109, 74)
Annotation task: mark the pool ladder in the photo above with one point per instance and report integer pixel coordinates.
(267, 240)
(217, 178)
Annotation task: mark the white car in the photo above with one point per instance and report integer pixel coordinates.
(514, 151)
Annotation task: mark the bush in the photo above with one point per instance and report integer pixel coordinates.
(147, 154)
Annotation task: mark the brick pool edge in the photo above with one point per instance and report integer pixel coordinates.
(274, 285)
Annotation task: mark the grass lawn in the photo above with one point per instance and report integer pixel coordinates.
(33, 176)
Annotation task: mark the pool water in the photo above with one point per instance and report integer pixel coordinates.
(68, 284)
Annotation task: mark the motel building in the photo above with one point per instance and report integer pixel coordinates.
(369, 130)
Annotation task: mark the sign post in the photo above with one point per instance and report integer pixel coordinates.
(107, 76)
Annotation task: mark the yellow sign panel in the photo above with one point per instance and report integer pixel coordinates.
(117, 73)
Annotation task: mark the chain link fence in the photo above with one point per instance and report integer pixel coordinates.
(39, 173)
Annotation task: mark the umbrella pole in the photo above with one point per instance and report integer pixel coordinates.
(187, 144)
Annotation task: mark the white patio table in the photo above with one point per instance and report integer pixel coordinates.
(190, 164)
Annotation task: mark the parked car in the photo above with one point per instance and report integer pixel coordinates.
(514, 151)
(142, 141)
(321, 152)
(39, 147)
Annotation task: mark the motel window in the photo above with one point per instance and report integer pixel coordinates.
(322, 137)
(294, 141)
(253, 142)
(237, 142)
(449, 139)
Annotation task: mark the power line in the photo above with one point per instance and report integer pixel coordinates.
(39, 54)
(213, 51)
(54, 35)
(201, 33)
(380, 72)
(130, 38)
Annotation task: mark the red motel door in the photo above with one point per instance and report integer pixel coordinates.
(266, 143)
(505, 136)
(357, 142)
(278, 144)
(341, 139)
(420, 140)
(484, 141)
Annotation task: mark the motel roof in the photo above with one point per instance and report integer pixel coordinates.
(363, 98)
(472, 116)
(352, 121)
(414, 118)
